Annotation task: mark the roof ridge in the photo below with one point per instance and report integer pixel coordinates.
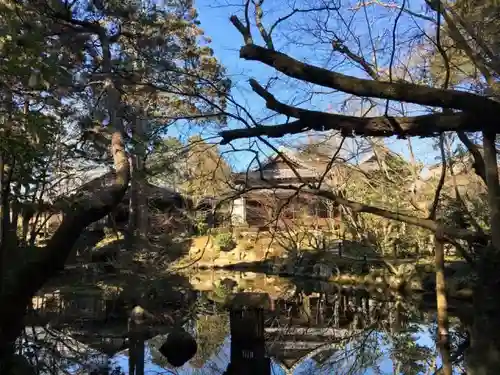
(300, 160)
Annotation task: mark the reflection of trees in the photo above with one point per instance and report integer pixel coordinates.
(459, 343)
(344, 332)
(354, 354)
(357, 331)
(49, 351)
(211, 330)
(407, 355)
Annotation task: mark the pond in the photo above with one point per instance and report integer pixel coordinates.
(312, 328)
(368, 353)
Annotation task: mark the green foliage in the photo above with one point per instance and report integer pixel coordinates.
(409, 356)
(207, 173)
(477, 21)
(466, 213)
(201, 227)
(219, 293)
(55, 71)
(162, 165)
(196, 168)
(211, 330)
(386, 187)
(225, 241)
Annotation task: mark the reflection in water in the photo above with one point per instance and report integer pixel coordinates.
(309, 328)
(368, 354)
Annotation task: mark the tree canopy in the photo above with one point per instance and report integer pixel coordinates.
(93, 83)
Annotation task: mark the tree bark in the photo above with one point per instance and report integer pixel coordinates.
(138, 208)
(483, 355)
(478, 165)
(400, 91)
(490, 161)
(25, 280)
(3, 212)
(133, 217)
(382, 126)
(443, 342)
(476, 109)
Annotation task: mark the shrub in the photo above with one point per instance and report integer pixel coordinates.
(225, 241)
(201, 227)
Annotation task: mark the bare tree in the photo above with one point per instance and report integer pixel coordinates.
(461, 111)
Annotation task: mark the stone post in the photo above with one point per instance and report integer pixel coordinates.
(247, 334)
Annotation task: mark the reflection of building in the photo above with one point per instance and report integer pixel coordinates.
(312, 327)
(318, 327)
(291, 346)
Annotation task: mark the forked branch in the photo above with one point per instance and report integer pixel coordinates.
(476, 109)
(50, 259)
(399, 91)
(381, 126)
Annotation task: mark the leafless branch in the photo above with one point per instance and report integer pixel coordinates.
(437, 194)
(400, 91)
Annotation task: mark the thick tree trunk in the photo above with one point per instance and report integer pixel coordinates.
(490, 160)
(133, 216)
(3, 212)
(138, 222)
(15, 208)
(23, 281)
(443, 341)
(25, 229)
(11, 324)
(138, 207)
(5, 209)
(483, 355)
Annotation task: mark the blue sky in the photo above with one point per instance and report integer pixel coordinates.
(218, 361)
(226, 42)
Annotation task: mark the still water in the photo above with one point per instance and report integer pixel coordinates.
(372, 353)
(313, 328)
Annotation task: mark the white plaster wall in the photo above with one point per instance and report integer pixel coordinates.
(239, 212)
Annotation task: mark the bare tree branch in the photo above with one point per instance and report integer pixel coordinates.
(432, 225)
(364, 4)
(399, 91)
(259, 14)
(478, 165)
(382, 126)
(338, 46)
(435, 202)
